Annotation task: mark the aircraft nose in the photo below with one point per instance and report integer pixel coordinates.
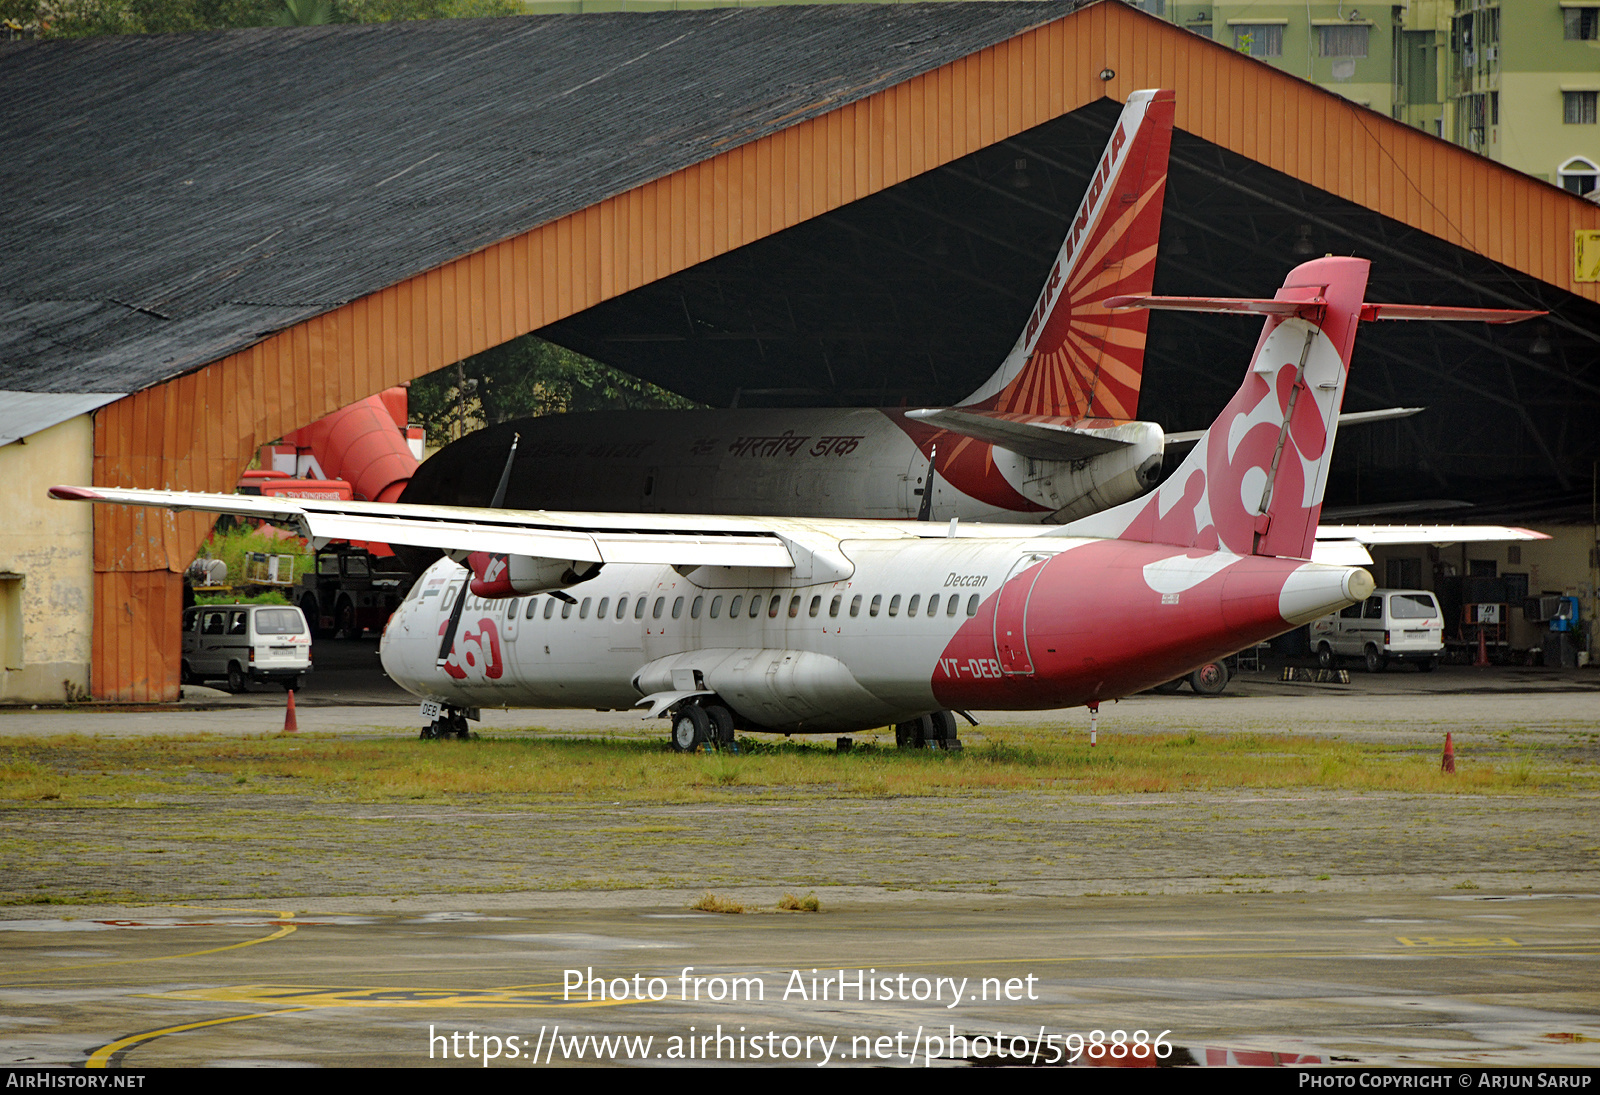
(1313, 590)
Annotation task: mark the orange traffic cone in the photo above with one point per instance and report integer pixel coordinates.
(1483, 652)
(1447, 763)
(289, 723)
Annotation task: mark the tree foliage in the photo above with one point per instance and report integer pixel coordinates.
(83, 18)
(527, 376)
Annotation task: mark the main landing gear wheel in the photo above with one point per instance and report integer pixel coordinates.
(1169, 687)
(909, 735)
(721, 724)
(691, 728)
(944, 730)
(1325, 657)
(935, 731)
(1210, 679)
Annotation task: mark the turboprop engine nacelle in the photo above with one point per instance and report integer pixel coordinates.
(496, 575)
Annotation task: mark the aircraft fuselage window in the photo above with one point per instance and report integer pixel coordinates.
(661, 604)
(833, 605)
(566, 609)
(755, 605)
(894, 605)
(694, 608)
(622, 606)
(734, 606)
(533, 603)
(855, 605)
(639, 607)
(933, 605)
(794, 606)
(550, 607)
(583, 609)
(774, 605)
(911, 607)
(511, 608)
(877, 601)
(816, 606)
(602, 607)
(677, 608)
(716, 606)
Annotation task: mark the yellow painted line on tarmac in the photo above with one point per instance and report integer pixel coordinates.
(1472, 941)
(102, 1057)
(383, 997)
(283, 930)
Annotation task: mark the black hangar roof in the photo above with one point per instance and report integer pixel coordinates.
(171, 199)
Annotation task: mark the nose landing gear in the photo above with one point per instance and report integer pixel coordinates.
(450, 722)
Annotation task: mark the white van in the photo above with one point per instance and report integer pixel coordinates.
(246, 642)
(1391, 625)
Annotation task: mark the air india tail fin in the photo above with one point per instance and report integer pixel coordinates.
(1076, 358)
(1254, 483)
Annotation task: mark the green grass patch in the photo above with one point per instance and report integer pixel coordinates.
(102, 771)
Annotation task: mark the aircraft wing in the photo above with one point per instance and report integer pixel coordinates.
(667, 539)
(1028, 435)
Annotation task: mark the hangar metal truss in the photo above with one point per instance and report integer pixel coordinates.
(866, 163)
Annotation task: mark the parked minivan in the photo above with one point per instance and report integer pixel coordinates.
(246, 642)
(1391, 625)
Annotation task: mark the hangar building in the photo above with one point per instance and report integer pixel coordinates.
(212, 239)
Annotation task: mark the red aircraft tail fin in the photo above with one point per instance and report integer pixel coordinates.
(1076, 358)
(1254, 483)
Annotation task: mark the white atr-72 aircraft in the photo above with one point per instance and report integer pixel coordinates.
(1048, 437)
(825, 626)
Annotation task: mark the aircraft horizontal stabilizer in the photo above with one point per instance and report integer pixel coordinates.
(1028, 435)
(1311, 307)
(1347, 418)
(1346, 545)
(1377, 535)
